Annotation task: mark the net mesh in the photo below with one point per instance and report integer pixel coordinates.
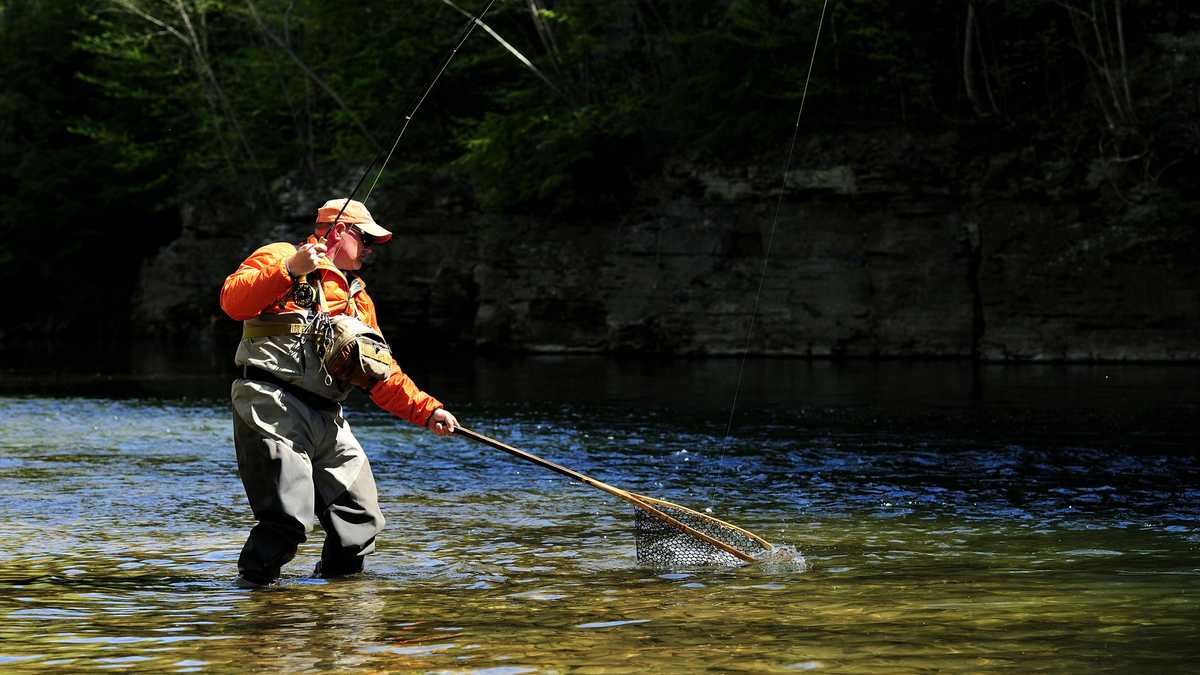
(662, 545)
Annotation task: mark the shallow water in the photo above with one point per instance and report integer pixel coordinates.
(1039, 520)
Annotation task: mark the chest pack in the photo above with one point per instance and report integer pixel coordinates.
(351, 351)
(314, 350)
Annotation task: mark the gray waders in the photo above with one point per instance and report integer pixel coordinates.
(297, 457)
(301, 464)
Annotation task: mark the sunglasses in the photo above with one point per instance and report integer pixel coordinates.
(367, 240)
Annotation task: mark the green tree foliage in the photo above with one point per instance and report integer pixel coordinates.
(68, 207)
(114, 112)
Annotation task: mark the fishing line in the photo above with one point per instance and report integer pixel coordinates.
(774, 222)
(474, 21)
(466, 33)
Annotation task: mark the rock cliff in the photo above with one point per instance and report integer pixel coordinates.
(874, 247)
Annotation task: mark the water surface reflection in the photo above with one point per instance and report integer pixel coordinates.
(948, 525)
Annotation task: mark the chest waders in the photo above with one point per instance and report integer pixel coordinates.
(297, 457)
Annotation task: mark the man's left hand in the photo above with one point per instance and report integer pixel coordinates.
(442, 423)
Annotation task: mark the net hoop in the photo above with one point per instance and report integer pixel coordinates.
(705, 517)
(637, 500)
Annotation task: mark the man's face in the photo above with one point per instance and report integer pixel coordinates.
(348, 251)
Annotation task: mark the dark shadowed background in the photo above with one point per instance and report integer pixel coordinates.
(971, 179)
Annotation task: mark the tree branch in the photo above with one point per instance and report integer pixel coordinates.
(314, 77)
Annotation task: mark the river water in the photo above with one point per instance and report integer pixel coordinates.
(1033, 518)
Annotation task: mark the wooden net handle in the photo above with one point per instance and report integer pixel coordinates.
(637, 500)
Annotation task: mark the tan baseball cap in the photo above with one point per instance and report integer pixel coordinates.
(355, 213)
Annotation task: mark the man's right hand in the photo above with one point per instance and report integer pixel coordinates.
(306, 259)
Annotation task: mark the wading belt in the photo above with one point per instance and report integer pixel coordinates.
(307, 397)
(272, 329)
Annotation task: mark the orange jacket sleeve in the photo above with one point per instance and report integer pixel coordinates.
(398, 394)
(258, 282)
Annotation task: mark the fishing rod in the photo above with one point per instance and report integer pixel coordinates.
(470, 27)
(474, 20)
(305, 295)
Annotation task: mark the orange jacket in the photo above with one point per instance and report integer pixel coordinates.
(259, 286)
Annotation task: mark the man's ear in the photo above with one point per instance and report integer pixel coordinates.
(334, 232)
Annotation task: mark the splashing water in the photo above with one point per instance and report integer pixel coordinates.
(781, 559)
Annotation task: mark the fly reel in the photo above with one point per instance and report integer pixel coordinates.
(303, 294)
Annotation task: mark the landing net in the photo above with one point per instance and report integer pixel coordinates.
(664, 546)
(669, 535)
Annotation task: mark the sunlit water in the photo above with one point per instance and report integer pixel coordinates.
(986, 541)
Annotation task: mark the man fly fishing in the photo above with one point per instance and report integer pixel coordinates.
(310, 335)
